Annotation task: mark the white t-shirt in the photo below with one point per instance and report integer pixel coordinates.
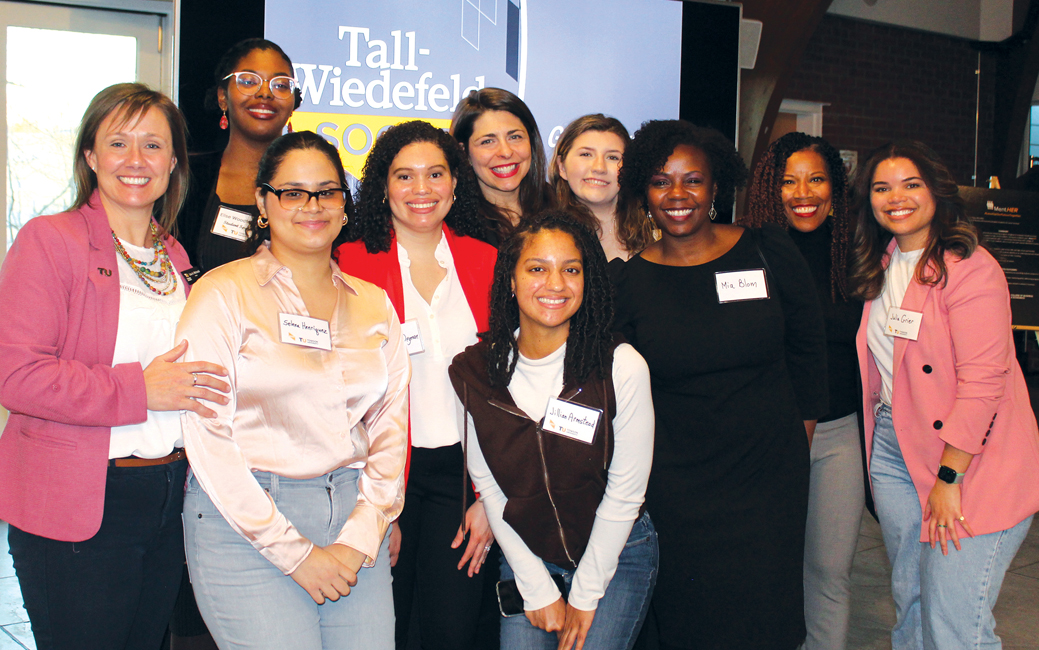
(897, 278)
(533, 383)
(446, 327)
(147, 323)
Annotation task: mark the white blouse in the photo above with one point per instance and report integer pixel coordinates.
(899, 275)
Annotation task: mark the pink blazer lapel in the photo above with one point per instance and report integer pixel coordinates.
(914, 300)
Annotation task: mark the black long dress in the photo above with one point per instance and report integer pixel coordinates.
(732, 384)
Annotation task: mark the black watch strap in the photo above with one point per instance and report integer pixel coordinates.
(949, 475)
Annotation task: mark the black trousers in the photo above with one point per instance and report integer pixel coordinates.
(115, 590)
(453, 611)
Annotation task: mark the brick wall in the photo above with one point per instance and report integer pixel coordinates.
(884, 82)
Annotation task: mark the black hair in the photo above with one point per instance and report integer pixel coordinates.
(229, 61)
(589, 345)
(271, 161)
(654, 143)
(374, 222)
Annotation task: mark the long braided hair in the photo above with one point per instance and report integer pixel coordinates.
(589, 346)
(765, 202)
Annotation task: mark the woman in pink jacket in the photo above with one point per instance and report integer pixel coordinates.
(951, 439)
(92, 462)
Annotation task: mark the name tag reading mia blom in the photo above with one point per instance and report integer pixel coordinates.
(735, 286)
(306, 331)
(571, 420)
(903, 323)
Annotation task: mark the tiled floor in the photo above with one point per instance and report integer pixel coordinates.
(873, 612)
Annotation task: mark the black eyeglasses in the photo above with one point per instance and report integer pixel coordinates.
(249, 83)
(293, 198)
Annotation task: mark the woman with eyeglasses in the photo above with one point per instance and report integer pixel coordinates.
(256, 92)
(295, 481)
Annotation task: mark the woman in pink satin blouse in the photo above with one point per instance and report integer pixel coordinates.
(295, 482)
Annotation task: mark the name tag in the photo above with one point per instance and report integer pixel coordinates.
(571, 420)
(735, 286)
(306, 331)
(233, 224)
(903, 323)
(412, 336)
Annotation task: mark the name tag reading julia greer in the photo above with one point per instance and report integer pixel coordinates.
(735, 286)
(903, 323)
(571, 420)
(305, 331)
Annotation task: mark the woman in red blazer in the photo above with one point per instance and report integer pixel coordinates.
(951, 439)
(415, 235)
(91, 461)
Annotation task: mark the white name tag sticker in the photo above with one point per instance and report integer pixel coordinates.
(233, 224)
(571, 420)
(306, 331)
(903, 323)
(412, 336)
(735, 286)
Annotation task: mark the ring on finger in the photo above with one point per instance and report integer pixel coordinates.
(942, 526)
(961, 518)
(194, 378)
(487, 549)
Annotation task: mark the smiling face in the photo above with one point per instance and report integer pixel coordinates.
(312, 229)
(549, 284)
(806, 190)
(133, 160)
(420, 188)
(499, 150)
(680, 195)
(902, 203)
(261, 116)
(591, 167)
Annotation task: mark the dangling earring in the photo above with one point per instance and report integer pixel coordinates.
(261, 221)
(223, 121)
(712, 213)
(288, 126)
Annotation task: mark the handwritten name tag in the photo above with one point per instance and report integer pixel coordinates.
(571, 420)
(306, 331)
(412, 336)
(903, 323)
(233, 224)
(741, 285)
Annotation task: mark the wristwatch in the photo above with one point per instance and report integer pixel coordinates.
(949, 475)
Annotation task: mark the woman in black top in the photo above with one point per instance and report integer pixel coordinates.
(800, 184)
(256, 91)
(729, 323)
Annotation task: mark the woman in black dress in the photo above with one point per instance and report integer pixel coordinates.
(729, 323)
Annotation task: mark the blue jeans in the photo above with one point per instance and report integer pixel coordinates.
(941, 602)
(621, 610)
(247, 602)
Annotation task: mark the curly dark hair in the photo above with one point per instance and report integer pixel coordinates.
(534, 194)
(765, 202)
(951, 228)
(654, 143)
(229, 61)
(374, 223)
(271, 161)
(634, 230)
(589, 346)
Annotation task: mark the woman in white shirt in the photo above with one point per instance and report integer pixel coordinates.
(563, 419)
(295, 481)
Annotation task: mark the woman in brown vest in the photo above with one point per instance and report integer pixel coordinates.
(563, 446)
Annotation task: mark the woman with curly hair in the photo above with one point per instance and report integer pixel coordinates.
(800, 184)
(729, 323)
(587, 162)
(415, 235)
(955, 482)
(565, 500)
(501, 138)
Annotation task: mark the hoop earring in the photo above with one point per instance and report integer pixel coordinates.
(261, 221)
(345, 218)
(223, 121)
(712, 213)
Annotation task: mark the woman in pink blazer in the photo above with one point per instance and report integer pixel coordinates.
(91, 461)
(951, 439)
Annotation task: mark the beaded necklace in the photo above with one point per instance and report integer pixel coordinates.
(158, 275)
